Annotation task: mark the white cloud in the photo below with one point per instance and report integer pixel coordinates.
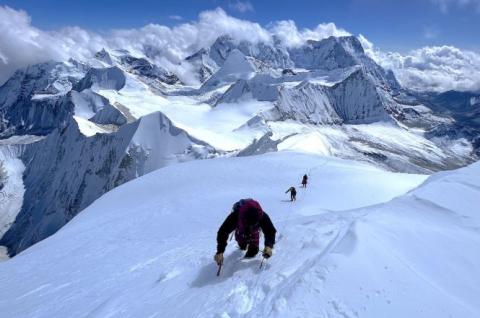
(21, 44)
(182, 40)
(241, 6)
(290, 35)
(368, 47)
(436, 68)
(175, 17)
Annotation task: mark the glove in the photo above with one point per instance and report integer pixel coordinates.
(218, 258)
(267, 252)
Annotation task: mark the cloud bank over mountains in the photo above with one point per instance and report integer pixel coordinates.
(436, 68)
(21, 44)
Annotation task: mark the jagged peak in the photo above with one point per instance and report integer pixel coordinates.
(359, 74)
(104, 78)
(224, 39)
(349, 43)
(352, 41)
(104, 56)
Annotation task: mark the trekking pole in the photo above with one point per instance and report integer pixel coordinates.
(231, 236)
(219, 268)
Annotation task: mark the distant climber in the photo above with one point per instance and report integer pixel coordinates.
(246, 219)
(293, 193)
(304, 181)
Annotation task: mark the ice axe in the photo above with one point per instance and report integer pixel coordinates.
(264, 260)
(219, 268)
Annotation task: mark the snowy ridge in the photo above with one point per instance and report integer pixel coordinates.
(338, 253)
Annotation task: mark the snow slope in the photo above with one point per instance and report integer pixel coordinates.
(145, 248)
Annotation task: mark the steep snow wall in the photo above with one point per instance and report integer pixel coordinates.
(355, 100)
(307, 103)
(102, 78)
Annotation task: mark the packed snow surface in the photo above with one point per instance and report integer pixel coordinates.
(344, 249)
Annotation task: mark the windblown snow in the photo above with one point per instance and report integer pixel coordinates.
(359, 242)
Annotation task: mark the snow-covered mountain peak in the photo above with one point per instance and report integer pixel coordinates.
(102, 78)
(221, 48)
(329, 54)
(236, 66)
(139, 65)
(104, 56)
(208, 60)
(43, 79)
(236, 63)
(350, 44)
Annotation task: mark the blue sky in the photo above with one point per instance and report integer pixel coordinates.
(390, 25)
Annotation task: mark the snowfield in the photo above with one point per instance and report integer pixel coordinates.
(359, 242)
(217, 125)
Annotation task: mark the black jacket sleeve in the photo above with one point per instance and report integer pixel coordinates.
(228, 226)
(268, 230)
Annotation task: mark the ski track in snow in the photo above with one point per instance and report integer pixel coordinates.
(332, 258)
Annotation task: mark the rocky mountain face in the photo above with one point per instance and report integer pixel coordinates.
(23, 108)
(71, 131)
(67, 170)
